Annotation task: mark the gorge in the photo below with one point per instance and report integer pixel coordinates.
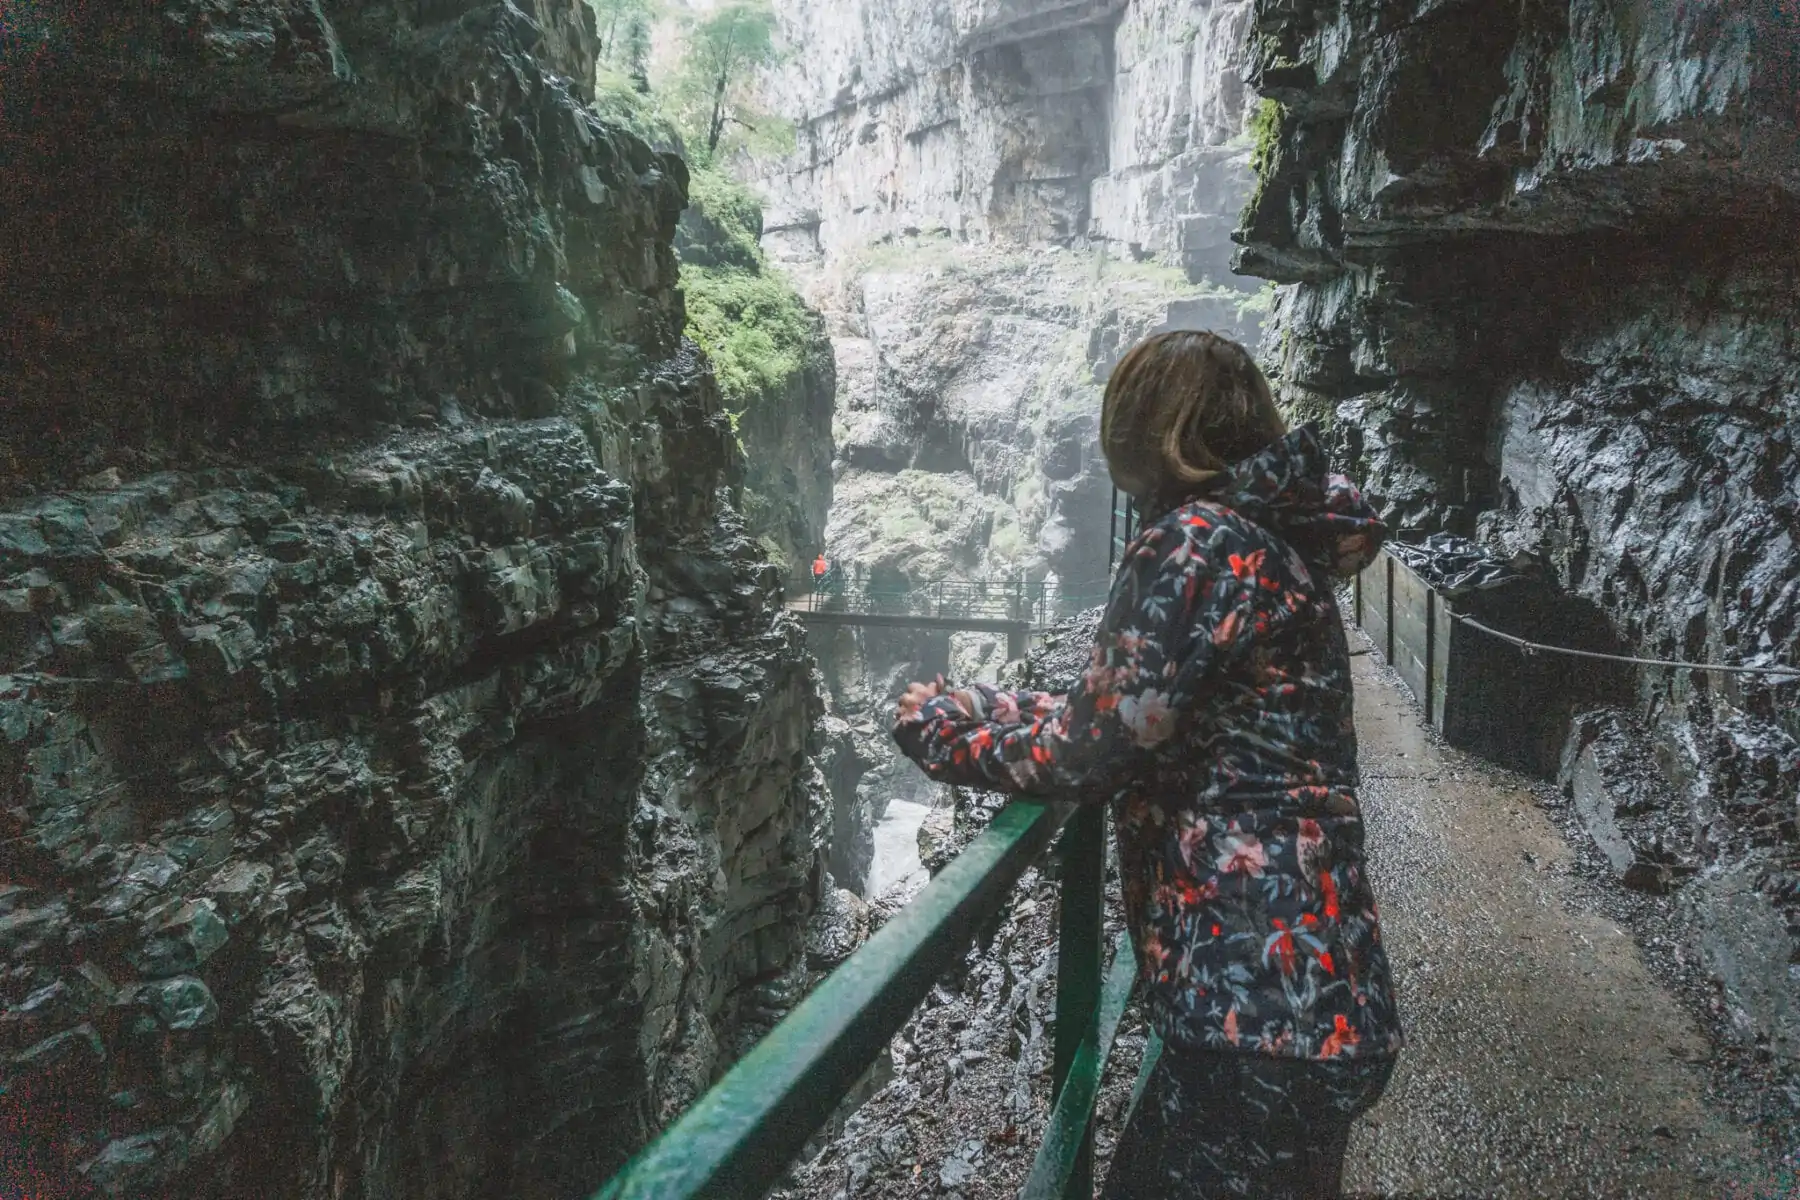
(412, 782)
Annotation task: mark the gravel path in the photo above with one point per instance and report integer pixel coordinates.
(1543, 1058)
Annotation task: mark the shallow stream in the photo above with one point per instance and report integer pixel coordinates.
(897, 846)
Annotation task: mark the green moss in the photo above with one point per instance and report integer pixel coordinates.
(1300, 406)
(619, 102)
(731, 217)
(1265, 148)
(777, 556)
(1259, 304)
(743, 313)
(1157, 275)
(1007, 541)
(918, 252)
(1265, 140)
(753, 327)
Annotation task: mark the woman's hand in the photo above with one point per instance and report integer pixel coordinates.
(915, 697)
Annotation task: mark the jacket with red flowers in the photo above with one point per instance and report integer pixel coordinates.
(1216, 715)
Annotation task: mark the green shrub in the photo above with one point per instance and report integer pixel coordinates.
(753, 327)
(618, 101)
(742, 312)
(1259, 303)
(1265, 138)
(723, 223)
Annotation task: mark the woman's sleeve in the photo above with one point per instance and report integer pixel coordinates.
(1171, 616)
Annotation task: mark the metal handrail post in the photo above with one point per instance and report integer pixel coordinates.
(1079, 951)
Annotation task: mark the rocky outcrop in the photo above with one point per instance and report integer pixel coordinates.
(407, 773)
(1545, 292)
(1028, 122)
(1634, 816)
(990, 203)
(775, 367)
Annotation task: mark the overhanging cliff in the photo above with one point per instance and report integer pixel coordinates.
(1546, 283)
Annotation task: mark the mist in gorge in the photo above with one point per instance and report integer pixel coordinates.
(477, 478)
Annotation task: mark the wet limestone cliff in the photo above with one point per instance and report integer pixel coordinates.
(990, 202)
(1545, 287)
(409, 783)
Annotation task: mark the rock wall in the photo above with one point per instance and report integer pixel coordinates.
(407, 773)
(775, 363)
(1546, 288)
(990, 202)
(1028, 121)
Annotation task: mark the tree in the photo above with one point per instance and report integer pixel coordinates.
(623, 25)
(725, 49)
(637, 52)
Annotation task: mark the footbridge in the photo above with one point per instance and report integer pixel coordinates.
(1012, 607)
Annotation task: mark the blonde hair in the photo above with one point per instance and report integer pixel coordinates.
(1180, 409)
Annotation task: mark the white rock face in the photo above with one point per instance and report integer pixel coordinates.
(1177, 160)
(991, 200)
(1019, 120)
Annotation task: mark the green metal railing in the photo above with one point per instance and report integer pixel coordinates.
(1124, 528)
(740, 1139)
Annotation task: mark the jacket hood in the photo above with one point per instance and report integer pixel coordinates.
(1289, 488)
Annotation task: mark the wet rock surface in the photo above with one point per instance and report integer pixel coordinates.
(1543, 296)
(409, 781)
(1627, 807)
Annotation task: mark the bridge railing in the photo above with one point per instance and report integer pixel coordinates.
(1035, 604)
(994, 599)
(741, 1138)
(1124, 521)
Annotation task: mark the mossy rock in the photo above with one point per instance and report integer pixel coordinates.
(722, 226)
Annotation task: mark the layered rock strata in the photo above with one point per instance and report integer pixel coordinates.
(990, 204)
(1545, 286)
(407, 774)
(1030, 122)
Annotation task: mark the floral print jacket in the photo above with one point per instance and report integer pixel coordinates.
(1216, 715)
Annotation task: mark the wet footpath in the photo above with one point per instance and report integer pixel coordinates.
(1544, 1057)
(1547, 1056)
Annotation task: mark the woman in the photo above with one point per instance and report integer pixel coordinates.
(1216, 715)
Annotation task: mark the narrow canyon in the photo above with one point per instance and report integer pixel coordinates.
(420, 777)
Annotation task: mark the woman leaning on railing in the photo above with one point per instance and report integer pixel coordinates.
(1216, 716)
